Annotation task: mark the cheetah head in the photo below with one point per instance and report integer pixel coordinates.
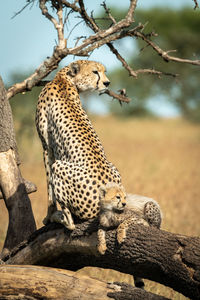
(88, 75)
(112, 197)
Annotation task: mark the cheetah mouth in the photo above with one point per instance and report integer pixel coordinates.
(119, 209)
(102, 91)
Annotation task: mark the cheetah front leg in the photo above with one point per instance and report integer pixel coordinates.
(69, 220)
(59, 186)
(63, 217)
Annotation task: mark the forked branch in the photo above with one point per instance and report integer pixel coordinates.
(116, 31)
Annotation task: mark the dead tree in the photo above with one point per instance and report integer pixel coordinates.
(183, 252)
(170, 259)
(12, 185)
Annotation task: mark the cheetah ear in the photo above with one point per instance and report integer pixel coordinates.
(74, 68)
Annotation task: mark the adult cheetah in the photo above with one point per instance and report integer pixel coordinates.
(75, 161)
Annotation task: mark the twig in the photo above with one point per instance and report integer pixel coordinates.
(124, 63)
(196, 4)
(155, 72)
(120, 97)
(107, 10)
(164, 54)
(24, 7)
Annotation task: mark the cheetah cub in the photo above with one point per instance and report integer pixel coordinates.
(118, 209)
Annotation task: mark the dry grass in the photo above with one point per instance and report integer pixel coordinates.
(156, 158)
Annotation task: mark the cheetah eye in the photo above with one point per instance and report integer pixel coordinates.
(95, 72)
(118, 197)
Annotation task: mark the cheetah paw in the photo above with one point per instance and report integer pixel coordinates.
(46, 220)
(59, 217)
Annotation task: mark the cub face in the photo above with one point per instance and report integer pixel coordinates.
(112, 197)
(88, 75)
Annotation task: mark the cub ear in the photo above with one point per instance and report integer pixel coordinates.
(102, 192)
(74, 68)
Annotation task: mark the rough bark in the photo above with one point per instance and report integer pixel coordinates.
(30, 187)
(7, 140)
(170, 259)
(31, 282)
(21, 220)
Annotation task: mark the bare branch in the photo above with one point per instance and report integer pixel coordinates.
(42, 71)
(121, 97)
(51, 63)
(117, 31)
(164, 54)
(107, 10)
(71, 5)
(19, 12)
(57, 24)
(154, 72)
(61, 51)
(101, 38)
(124, 63)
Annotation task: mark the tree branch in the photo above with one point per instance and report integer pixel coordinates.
(51, 63)
(164, 54)
(117, 31)
(61, 51)
(29, 186)
(57, 24)
(170, 259)
(34, 282)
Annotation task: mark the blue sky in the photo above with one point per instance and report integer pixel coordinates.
(29, 37)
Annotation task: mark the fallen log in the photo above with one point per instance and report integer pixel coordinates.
(170, 259)
(32, 282)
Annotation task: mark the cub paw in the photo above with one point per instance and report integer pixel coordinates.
(102, 248)
(121, 235)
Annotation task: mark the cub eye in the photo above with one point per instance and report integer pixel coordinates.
(118, 197)
(95, 72)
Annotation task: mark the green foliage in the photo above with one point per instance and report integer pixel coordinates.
(176, 30)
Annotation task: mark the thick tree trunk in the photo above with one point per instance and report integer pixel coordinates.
(7, 140)
(170, 259)
(31, 282)
(21, 220)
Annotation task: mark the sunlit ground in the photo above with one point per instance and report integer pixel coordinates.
(156, 158)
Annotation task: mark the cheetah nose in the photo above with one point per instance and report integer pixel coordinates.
(106, 83)
(123, 204)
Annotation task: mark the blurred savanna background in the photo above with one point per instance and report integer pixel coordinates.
(154, 140)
